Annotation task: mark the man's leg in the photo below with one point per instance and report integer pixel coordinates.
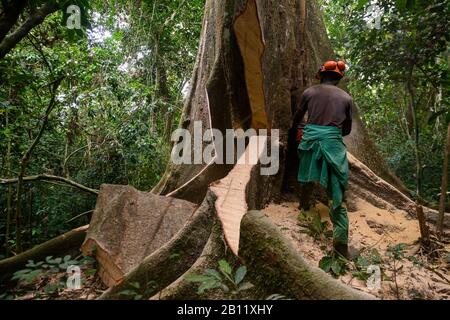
(339, 218)
(305, 193)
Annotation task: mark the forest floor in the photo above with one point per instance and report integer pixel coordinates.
(51, 285)
(389, 239)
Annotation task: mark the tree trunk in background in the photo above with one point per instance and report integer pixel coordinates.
(163, 92)
(413, 111)
(36, 17)
(25, 161)
(424, 230)
(30, 215)
(444, 186)
(11, 12)
(9, 195)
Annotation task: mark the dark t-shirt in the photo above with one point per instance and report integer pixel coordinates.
(327, 105)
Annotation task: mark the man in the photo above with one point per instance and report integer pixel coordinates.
(322, 152)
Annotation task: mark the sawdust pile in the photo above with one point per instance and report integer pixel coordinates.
(417, 276)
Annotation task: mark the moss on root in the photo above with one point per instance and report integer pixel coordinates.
(274, 267)
(214, 251)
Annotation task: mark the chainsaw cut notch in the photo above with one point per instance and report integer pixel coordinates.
(249, 36)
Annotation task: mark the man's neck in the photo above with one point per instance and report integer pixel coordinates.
(330, 82)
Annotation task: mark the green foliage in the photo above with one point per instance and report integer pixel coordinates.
(396, 251)
(136, 292)
(223, 279)
(333, 264)
(363, 261)
(312, 224)
(124, 73)
(400, 79)
(50, 265)
(44, 268)
(49, 274)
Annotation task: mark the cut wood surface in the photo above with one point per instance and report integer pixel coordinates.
(128, 225)
(231, 203)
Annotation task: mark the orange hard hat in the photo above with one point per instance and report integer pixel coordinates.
(332, 66)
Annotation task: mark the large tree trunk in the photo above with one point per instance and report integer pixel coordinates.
(254, 57)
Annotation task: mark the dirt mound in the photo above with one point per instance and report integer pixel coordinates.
(374, 230)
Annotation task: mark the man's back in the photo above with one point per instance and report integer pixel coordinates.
(328, 105)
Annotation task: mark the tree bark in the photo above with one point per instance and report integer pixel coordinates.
(9, 195)
(35, 18)
(220, 90)
(164, 94)
(413, 111)
(47, 177)
(173, 259)
(11, 12)
(424, 231)
(273, 263)
(444, 185)
(30, 214)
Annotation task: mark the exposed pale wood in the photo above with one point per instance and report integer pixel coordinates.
(231, 203)
(108, 270)
(248, 31)
(174, 258)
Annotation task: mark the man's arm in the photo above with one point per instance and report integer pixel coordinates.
(301, 109)
(347, 125)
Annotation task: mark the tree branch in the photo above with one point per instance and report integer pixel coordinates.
(47, 177)
(24, 163)
(51, 104)
(39, 49)
(35, 18)
(10, 15)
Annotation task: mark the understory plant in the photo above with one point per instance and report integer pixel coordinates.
(49, 277)
(223, 278)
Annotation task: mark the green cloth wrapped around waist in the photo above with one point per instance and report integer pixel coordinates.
(323, 158)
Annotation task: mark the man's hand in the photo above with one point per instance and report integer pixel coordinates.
(299, 136)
